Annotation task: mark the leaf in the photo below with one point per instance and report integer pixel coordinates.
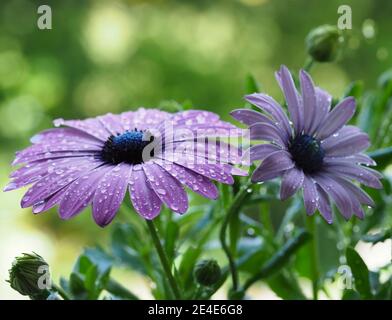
(119, 291)
(251, 84)
(187, 264)
(172, 233)
(360, 272)
(349, 294)
(378, 237)
(354, 89)
(383, 157)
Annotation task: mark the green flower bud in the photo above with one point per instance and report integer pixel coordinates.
(207, 272)
(30, 276)
(323, 43)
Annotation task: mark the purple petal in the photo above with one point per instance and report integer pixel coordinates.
(310, 195)
(112, 123)
(309, 99)
(345, 142)
(337, 193)
(143, 119)
(80, 193)
(53, 155)
(91, 126)
(218, 172)
(260, 151)
(365, 176)
(166, 187)
(55, 181)
(324, 205)
(273, 166)
(361, 195)
(355, 159)
(194, 117)
(291, 94)
(291, 181)
(323, 105)
(337, 118)
(196, 182)
(267, 132)
(110, 193)
(270, 106)
(49, 202)
(144, 199)
(59, 134)
(250, 117)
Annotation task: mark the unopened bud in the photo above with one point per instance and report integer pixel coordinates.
(207, 272)
(323, 43)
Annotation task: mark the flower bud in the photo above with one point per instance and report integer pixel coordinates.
(29, 276)
(323, 43)
(207, 272)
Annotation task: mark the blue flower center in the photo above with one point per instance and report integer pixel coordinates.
(127, 147)
(307, 153)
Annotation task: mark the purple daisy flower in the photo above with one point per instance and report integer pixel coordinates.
(95, 161)
(315, 151)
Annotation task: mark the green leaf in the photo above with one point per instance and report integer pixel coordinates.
(383, 157)
(378, 237)
(172, 233)
(119, 291)
(251, 84)
(354, 89)
(349, 294)
(360, 272)
(187, 264)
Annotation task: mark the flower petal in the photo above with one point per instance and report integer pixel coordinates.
(144, 199)
(323, 105)
(249, 117)
(365, 176)
(271, 107)
(292, 98)
(91, 126)
(337, 118)
(291, 181)
(308, 98)
(310, 195)
(260, 151)
(56, 180)
(273, 166)
(345, 142)
(194, 181)
(110, 193)
(267, 132)
(80, 193)
(324, 205)
(337, 193)
(166, 187)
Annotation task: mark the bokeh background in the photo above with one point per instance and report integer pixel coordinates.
(111, 56)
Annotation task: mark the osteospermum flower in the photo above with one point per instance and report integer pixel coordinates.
(315, 151)
(95, 161)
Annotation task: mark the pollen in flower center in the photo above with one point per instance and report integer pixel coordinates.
(307, 153)
(127, 147)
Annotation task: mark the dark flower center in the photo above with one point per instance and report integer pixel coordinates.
(127, 147)
(307, 153)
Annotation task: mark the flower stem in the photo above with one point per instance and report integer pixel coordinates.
(234, 208)
(308, 64)
(61, 292)
(163, 258)
(314, 265)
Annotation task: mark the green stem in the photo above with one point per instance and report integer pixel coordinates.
(280, 258)
(163, 258)
(61, 292)
(308, 64)
(234, 208)
(314, 265)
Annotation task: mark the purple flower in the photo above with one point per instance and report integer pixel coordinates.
(95, 161)
(315, 151)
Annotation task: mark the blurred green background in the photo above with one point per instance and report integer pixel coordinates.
(111, 56)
